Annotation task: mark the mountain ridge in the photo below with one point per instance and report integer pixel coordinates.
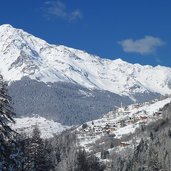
(71, 86)
(26, 55)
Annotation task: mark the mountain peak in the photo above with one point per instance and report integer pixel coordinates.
(22, 54)
(119, 61)
(6, 26)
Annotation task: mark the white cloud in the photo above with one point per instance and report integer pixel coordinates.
(146, 45)
(75, 14)
(59, 9)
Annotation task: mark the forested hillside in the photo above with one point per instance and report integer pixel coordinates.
(146, 148)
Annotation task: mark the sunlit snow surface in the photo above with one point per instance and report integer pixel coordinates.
(23, 54)
(88, 136)
(47, 127)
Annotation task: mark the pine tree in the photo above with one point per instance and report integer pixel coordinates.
(9, 151)
(6, 111)
(37, 155)
(87, 163)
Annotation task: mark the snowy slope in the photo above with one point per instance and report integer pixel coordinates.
(122, 122)
(22, 54)
(47, 127)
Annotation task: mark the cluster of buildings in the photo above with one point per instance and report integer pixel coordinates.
(121, 117)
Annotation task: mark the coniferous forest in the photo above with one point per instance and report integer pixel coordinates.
(18, 152)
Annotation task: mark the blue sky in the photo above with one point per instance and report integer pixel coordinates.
(138, 31)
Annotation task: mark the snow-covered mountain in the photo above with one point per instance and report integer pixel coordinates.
(22, 54)
(48, 128)
(68, 85)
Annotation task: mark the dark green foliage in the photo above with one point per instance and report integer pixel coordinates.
(104, 154)
(6, 111)
(87, 163)
(81, 162)
(151, 136)
(10, 151)
(36, 153)
(154, 163)
(84, 125)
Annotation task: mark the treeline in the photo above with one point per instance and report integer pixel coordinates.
(22, 153)
(19, 152)
(57, 154)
